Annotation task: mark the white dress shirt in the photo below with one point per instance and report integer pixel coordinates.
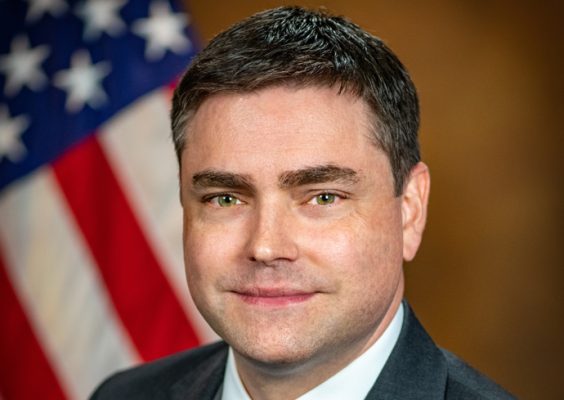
(352, 382)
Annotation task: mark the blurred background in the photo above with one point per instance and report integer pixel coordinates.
(488, 282)
(91, 270)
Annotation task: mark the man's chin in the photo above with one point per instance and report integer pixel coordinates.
(275, 364)
(283, 355)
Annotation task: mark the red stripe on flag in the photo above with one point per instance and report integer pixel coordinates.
(171, 86)
(140, 292)
(25, 372)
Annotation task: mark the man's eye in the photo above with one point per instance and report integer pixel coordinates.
(225, 200)
(324, 199)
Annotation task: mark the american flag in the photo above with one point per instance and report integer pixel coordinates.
(91, 271)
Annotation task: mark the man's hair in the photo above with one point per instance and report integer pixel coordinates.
(298, 47)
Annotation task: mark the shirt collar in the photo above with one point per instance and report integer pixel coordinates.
(352, 382)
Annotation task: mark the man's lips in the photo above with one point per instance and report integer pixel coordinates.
(273, 296)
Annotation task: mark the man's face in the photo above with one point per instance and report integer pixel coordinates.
(293, 237)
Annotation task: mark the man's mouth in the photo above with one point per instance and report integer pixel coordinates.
(273, 296)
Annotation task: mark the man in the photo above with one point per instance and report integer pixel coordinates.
(303, 192)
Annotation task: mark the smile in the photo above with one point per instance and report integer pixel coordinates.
(273, 297)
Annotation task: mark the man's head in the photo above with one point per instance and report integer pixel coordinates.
(296, 47)
(301, 191)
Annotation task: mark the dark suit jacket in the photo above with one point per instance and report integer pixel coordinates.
(416, 369)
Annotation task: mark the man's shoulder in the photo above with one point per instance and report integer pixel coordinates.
(159, 378)
(418, 369)
(465, 382)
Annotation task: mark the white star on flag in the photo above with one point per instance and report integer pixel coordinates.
(101, 16)
(162, 30)
(11, 130)
(83, 82)
(37, 8)
(22, 66)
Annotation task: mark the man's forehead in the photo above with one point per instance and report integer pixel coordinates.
(291, 135)
(281, 105)
(335, 92)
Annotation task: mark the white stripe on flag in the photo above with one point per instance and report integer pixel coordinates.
(138, 145)
(60, 290)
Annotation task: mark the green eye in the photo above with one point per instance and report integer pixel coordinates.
(325, 199)
(226, 200)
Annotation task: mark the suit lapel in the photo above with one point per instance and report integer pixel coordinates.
(203, 381)
(416, 368)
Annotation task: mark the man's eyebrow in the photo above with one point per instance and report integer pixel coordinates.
(318, 174)
(214, 178)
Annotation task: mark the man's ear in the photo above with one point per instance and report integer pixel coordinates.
(414, 208)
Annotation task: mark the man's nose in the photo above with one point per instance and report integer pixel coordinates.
(272, 235)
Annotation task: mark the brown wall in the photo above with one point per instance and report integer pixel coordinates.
(488, 281)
